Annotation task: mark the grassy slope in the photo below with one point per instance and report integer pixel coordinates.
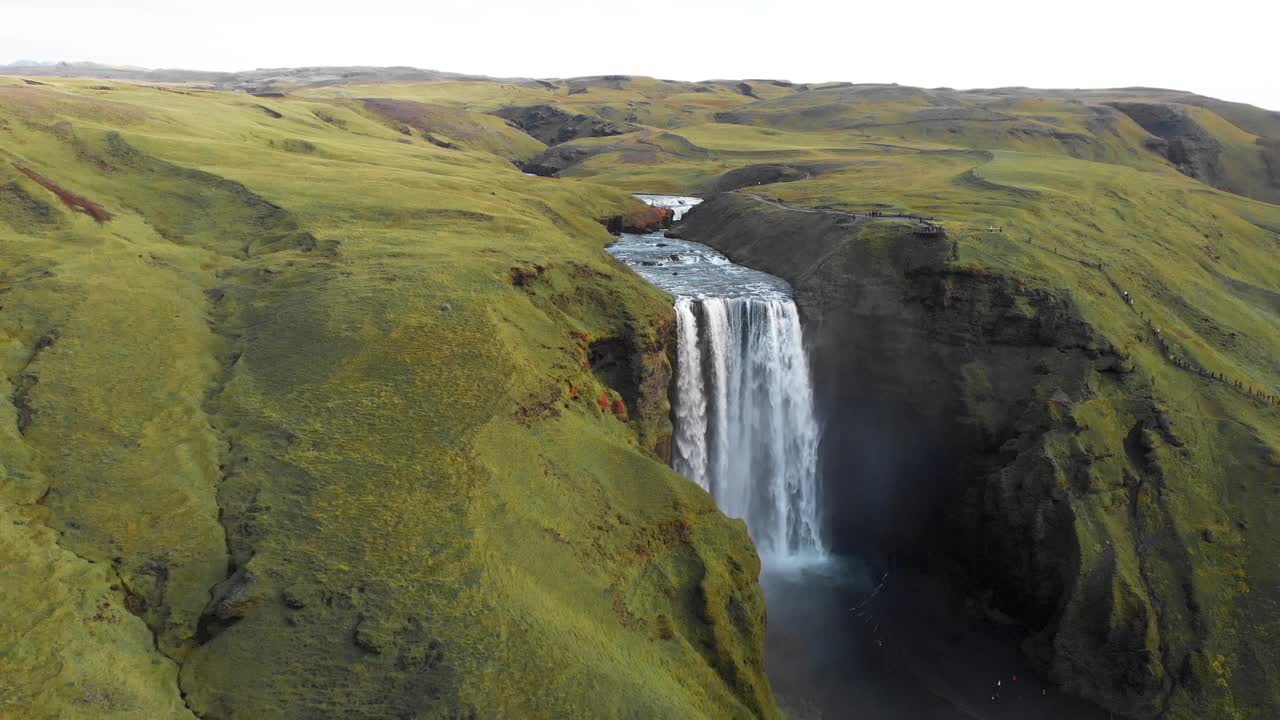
(287, 414)
(1074, 180)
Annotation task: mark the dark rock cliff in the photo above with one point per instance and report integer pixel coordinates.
(553, 126)
(1186, 144)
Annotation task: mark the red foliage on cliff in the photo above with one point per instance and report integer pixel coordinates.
(604, 401)
(620, 409)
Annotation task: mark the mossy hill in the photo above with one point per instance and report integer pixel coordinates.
(338, 412)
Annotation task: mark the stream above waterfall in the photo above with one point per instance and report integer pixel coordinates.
(693, 270)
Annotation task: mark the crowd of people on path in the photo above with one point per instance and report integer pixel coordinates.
(1165, 347)
(1178, 361)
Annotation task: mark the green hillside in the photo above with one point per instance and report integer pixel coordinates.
(314, 422)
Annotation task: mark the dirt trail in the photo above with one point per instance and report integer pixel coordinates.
(68, 198)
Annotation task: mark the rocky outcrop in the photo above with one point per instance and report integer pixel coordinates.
(1271, 159)
(1190, 147)
(979, 429)
(638, 367)
(553, 126)
(555, 159)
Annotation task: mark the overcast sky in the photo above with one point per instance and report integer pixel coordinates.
(1222, 48)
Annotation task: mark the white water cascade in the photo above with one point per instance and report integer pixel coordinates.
(745, 425)
(745, 428)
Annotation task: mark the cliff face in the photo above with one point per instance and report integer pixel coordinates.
(981, 428)
(553, 126)
(1237, 162)
(1182, 140)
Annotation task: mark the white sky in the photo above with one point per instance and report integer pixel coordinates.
(1221, 48)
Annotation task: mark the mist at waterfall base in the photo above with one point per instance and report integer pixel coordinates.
(847, 636)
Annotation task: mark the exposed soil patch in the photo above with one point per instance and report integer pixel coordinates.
(441, 142)
(612, 360)
(522, 276)
(231, 600)
(68, 198)
(22, 404)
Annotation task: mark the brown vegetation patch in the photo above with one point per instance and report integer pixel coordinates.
(524, 275)
(68, 198)
(540, 406)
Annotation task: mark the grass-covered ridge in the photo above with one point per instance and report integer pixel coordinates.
(313, 423)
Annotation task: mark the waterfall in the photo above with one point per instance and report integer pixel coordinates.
(745, 427)
(744, 423)
(678, 204)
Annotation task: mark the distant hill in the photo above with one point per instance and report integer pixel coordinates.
(252, 81)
